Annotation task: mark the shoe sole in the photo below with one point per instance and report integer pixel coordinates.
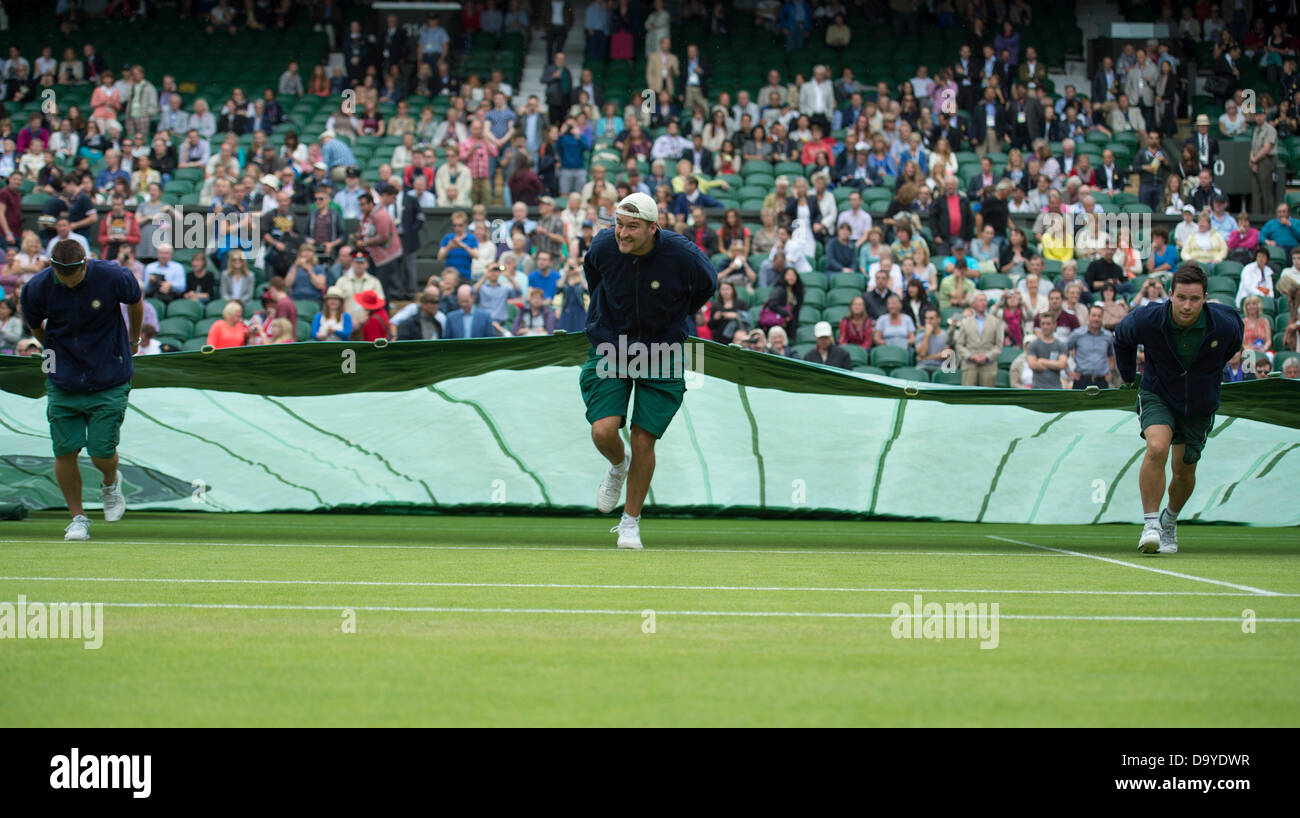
(616, 499)
(630, 547)
(1149, 547)
(75, 539)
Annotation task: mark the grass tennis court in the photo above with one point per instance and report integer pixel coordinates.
(237, 620)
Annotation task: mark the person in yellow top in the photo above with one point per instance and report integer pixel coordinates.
(1057, 239)
(1206, 244)
(685, 168)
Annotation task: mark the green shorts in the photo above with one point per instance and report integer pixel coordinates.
(657, 399)
(1189, 431)
(86, 420)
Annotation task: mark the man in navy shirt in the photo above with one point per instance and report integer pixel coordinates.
(74, 309)
(1186, 342)
(645, 284)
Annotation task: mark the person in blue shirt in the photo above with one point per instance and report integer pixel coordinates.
(646, 285)
(74, 309)
(544, 277)
(459, 248)
(1186, 341)
(336, 155)
(1281, 231)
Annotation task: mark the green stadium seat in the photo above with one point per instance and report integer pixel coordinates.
(1007, 356)
(307, 309)
(870, 370)
(813, 297)
(842, 296)
(202, 327)
(994, 281)
(890, 357)
(1003, 379)
(195, 344)
(910, 373)
(858, 355)
(1231, 269)
(809, 315)
(1221, 284)
(185, 308)
(813, 279)
(171, 343)
(849, 281)
(951, 378)
(158, 306)
(805, 335)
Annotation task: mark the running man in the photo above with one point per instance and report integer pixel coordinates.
(646, 284)
(74, 310)
(1186, 341)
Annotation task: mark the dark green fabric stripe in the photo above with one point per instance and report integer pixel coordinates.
(428, 492)
(699, 454)
(240, 458)
(899, 410)
(753, 438)
(496, 435)
(1114, 483)
(1275, 460)
(1233, 485)
(997, 473)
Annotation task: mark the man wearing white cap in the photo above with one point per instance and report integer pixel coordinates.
(645, 284)
(827, 352)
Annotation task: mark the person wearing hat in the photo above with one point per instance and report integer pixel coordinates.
(856, 172)
(74, 310)
(827, 351)
(646, 284)
(375, 325)
(427, 324)
(1206, 146)
(356, 280)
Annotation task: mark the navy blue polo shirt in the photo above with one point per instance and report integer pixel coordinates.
(84, 325)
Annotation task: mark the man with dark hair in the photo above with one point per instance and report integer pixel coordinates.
(277, 300)
(1186, 343)
(645, 286)
(74, 310)
(378, 236)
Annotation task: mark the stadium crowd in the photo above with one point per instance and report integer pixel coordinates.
(947, 281)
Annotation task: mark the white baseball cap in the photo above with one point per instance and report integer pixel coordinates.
(822, 330)
(639, 206)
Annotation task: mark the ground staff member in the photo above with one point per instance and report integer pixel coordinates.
(74, 310)
(1185, 341)
(645, 284)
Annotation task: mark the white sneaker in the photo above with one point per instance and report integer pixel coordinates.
(629, 534)
(1168, 536)
(611, 487)
(78, 529)
(1149, 542)
(114, 502)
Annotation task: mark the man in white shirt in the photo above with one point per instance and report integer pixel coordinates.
(817, 97)
(858, 220)
(744, 106)
(671, 145)
(168, 271)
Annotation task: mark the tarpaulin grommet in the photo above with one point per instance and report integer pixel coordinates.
(208, 349)
(1093, 390)
(380, 343)
(911, 390)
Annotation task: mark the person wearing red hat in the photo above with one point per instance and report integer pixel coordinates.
(376, 326)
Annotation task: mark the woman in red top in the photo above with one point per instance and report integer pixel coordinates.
(856, 327)
(733, 229)
(376, 325)
(1015, 314)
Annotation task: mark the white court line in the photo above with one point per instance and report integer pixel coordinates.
(618, 587)
(638, 613)
(1256, 591)
(607, 549)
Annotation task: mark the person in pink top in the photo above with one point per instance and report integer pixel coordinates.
(105, 103)
(1244, 237)
(476, 152)
(856, 327)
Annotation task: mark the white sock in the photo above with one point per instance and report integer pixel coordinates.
(627, 460)
(1151, 519)
(628, 518)
(1168, 517)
